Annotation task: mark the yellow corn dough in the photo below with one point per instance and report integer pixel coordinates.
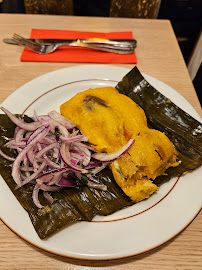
(109, 119)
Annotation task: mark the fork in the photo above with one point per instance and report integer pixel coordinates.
(49, 48)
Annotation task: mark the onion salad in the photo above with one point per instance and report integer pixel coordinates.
(52, 154)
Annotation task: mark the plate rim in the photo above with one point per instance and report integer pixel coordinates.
(104, 259)
(97, 259)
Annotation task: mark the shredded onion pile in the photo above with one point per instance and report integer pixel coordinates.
(52, 154)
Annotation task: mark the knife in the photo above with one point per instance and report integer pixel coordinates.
(129, 42)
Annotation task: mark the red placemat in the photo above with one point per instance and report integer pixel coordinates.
(75, 54)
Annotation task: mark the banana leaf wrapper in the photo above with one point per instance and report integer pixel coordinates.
(71, 204)
(184, 131)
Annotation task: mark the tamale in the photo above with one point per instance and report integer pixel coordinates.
(72, 205)
(109, 119)
(184, 131)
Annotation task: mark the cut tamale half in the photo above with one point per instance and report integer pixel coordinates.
(71, 204)
(162, 114)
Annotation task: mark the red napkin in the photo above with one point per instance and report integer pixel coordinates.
(78, 55)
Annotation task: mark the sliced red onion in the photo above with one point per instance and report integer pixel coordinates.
(79, 144)
(91, 178)
(18, 149)
(100, 168)
(6, 156)
(49, 139)
(51, 163)
(64, 182)
(65, 155)
(44, 119)
(56, 152)
(54, 124)
(46, 149)
(74, 139)
(21, 123)
(16, 131)
(55, 179)
(34, 175)
(35, 196)
(20, 144)
(26, 169)
(97, 186)
(74, 161)
(19, 135)
(83, 149)
(19, 158)
(25, 162)
(36, 132)
(28, 134)
(54, 172)
(91, 181)
(42, 152)
(105, 157)
(27, 174)
(61, 119)
(65, 174)
(35, 165)
(31, 156)
(62, 164)
(76, 154)
(74, 133)
(12, 144)
(35, 116)
(92, 165)
(39, 151)
(48, 197)
(45, 187)
(46, 179)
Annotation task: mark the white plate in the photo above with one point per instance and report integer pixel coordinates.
(131, 231)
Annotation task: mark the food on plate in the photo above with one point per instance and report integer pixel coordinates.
(184, 131)
(52, 154)
(109, 119)
(69, 205)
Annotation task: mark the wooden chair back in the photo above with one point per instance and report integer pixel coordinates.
(118, 8)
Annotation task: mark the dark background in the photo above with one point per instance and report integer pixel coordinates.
(185, 17)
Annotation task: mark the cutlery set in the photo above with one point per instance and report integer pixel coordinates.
(45, 46)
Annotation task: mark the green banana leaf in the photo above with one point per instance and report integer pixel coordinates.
(76, 204)
(162, 114)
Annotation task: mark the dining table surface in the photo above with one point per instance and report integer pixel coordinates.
(158, 55)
